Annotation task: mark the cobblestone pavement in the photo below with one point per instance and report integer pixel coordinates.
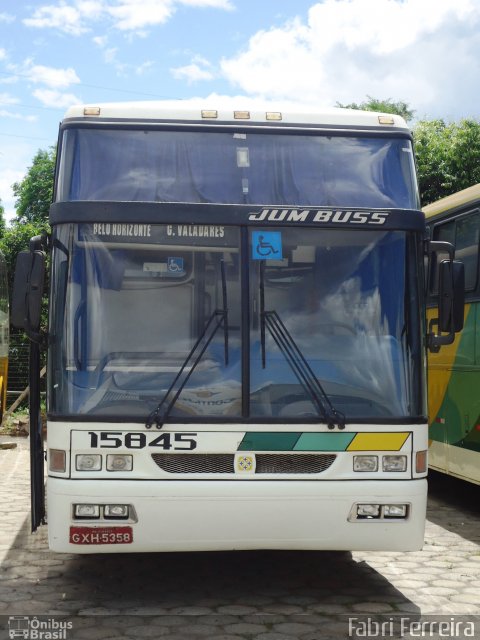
(242, 595)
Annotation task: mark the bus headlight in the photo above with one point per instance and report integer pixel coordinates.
(119, 462)
(395, 511)
(88, 462)
(365, 463)
(116, 511)
(368, 510)
(86, 510)
(394, 463)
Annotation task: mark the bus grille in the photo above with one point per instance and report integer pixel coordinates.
(195, 463)
(274, 463)
(225, 463)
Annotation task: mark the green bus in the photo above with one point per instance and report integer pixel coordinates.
(454, 372)
(4, 334)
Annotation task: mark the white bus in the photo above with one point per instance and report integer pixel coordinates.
(236, 337)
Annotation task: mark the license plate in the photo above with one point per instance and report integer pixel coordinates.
(101, 535)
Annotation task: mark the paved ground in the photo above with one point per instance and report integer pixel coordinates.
(243, 595)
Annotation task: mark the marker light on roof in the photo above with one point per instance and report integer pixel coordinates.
(209, 113)
(386, 119)
(91, 111)
(273, 115)
(241, 115)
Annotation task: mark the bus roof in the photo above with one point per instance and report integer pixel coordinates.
(454, 201)
(256, 112)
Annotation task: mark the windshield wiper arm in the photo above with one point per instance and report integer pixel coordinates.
(220, 316)
(296, 360)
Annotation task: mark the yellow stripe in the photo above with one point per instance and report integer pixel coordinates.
(378, 442)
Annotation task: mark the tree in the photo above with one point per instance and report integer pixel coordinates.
(383, 106)
(34, 192)
(2, 220)
(16, 238)
(448, 157)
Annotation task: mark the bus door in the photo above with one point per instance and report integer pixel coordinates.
(26, 314)
(4, 335)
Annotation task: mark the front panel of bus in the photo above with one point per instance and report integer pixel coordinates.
(236, 341)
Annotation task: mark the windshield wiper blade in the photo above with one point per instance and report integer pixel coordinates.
(220, 316)
(224, 311)
(296, 360)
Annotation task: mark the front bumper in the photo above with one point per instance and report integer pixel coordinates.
(225, 515)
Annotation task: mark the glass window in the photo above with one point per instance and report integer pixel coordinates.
(466, 247)
(141, 314)
(149, 317)
(236, 168)
(464, 234)
(334, 307)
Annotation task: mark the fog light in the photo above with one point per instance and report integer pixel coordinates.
(86, 510)
(119, 462)
(395, 510)
(115, 511)
(394, 463)
(368, 510)
(57, 460)
(88, 462)
(365, 463)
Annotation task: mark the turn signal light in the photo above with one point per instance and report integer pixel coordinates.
(57, 460)
(421, 462)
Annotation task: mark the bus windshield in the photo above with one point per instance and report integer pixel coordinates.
(237, 168)
(139, 305)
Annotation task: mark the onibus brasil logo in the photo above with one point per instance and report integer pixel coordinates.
(33, 628)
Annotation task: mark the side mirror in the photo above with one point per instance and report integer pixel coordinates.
(27, 292)
(451, 298)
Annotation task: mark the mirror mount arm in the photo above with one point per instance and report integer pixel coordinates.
(40, 243)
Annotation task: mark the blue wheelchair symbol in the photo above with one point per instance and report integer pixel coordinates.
(267, 245)
(175, 265)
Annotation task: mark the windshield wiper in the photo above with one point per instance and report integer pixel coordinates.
(293, 355)
(218, 317)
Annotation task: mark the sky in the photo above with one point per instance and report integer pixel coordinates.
(54, 53)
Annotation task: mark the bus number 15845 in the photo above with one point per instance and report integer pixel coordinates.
(138, 440)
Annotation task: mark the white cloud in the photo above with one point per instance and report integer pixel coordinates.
(65, 18)
(52, 80)
(131, 15)
(199, 69)
(6, 18)
(110, 57)
(350, 48)
(214, 4)
(15, 156)
(75, 18)
(7, 99)
(4, 113)
(100, 41)
(52, 77)
(53, 98)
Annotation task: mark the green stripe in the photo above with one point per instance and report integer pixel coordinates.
(281, 441)
(460, 408)
(266, 441)
(324, 441)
